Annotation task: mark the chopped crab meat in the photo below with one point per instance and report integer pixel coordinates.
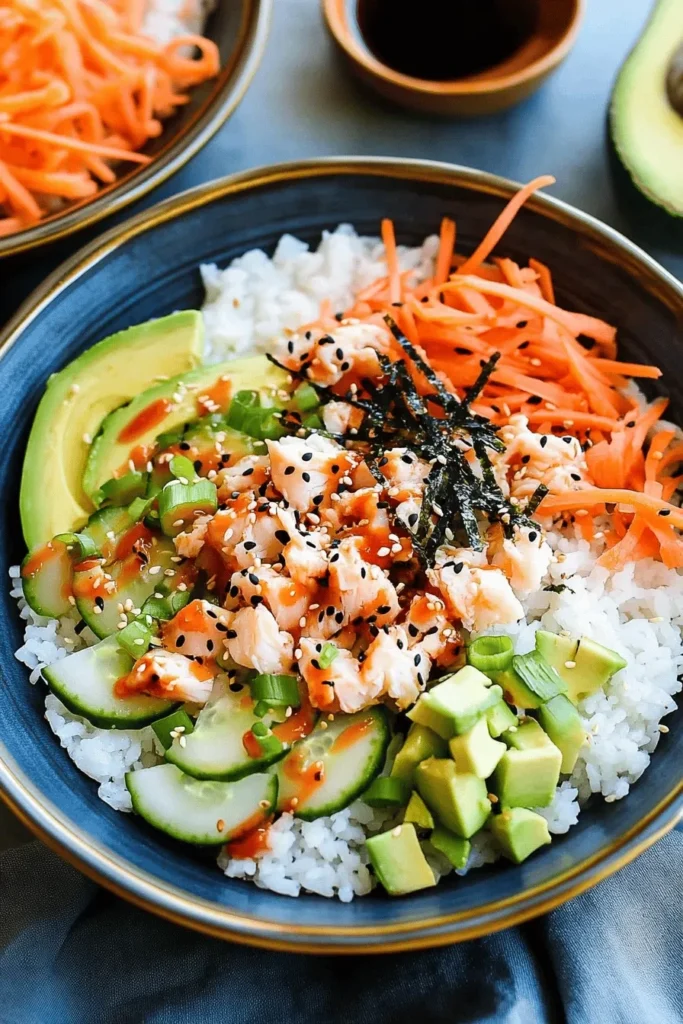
(304, 554)
(531, 459)
(198, 630)
(338, 417)
(408, 513)
(170, 675)
(394, 669)
(364, 515)
(305, 469)
(287, 600)
(428, 626)
(326, 357)
(244, 532)
(338, 686)
(359, 589)
(478, 595)
(249, 473)
(254, 640)
(524, 559)
(189, 543)
(405, 473)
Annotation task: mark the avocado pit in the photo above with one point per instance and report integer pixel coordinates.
(674, 81)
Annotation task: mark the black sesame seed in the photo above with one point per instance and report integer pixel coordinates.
(329, 610)
(533, 535)
(399, 644)
(363, 573)
(382, 504)
(307, 456)
(567, 439)
(306, 477)
(255, 599)
(543, 442)
(234, 591)
(289, 470)
(248, 472)
(209, 645)
(221, 627)
(525, 459)
(575, 476)
(534, 400)
(235, 687)
(282, 536)
(664, 512)
(334, 469)
(384, 609)
(253, 579)
(99, 602)
(458, 567)
(339, 353)
(413, 518)
(231, 634)
(382, 462)
(417, 659)
(249, 545)
(180, 640)
(315, 663)
(290, 347)
(339, 618)
(197, 465)
(319, 498)
(345, 366)
(184, 446)
(525, 344)
(225, 457)
(413, 630)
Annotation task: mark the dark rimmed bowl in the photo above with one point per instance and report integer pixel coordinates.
(240, 30)
(148, 267)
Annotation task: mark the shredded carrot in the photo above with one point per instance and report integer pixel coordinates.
(81, 92)
(555, 367)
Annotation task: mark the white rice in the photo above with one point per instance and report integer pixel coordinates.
(165, 20)
(637, 611)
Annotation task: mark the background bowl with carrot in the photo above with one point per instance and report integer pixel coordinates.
(99, 102)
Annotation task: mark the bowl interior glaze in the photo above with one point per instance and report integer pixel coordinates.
(149, 268)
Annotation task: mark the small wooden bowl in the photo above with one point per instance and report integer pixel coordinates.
(494, 89)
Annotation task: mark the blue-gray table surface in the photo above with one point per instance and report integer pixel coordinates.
(72, 953)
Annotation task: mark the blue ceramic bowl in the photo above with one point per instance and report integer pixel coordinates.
(148, 267)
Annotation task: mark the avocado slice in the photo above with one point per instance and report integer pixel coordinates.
(454, 848)
(455, 705)
(646, 113)
(519, 832)
(500, 718)
(131, 432)
(458, 800)
(399, 862)
(587, 669)
(527, 774)
(562, 722)
(476, 751)
(420, 743)
(556, 649)
(418, 812)
(75, 402)
(515, 689)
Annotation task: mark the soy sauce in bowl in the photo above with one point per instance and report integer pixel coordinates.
(445, 40)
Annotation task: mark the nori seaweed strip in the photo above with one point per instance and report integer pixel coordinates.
(535, 500)
(424, 368)
(480, 383)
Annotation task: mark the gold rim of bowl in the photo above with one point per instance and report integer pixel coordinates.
(60, 833)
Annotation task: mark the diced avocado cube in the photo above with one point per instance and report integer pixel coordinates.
(515, 689)
(499, 718)
(453, 706)
(454, 848)
(399, 862)
(528, 773)
(594, 666)
(519, 832)
(563, 724)
(418, 812)
(556, 649)
(458, 800)
(420, 743)
(475, 751)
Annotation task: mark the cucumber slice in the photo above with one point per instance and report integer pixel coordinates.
(84, 681)
(216, 750)
(206, 813)
(134, 580)
(327, 770)
(46, 578)
(105, 528)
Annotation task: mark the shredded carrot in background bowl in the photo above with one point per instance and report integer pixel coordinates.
(557, 367)
(82, 91)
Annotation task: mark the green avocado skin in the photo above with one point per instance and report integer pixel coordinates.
(646, 130)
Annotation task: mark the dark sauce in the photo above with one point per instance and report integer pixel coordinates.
(443, 40)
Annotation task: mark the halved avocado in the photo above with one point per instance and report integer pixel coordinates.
(76, 401)
(647, 109)
(130, 433)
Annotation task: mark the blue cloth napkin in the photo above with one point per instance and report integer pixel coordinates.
(71, 953)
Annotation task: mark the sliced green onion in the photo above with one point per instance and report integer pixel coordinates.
(306, 397)
(269, 743)
(256, 416)
(135, 637)
(261, 708)
(178, 721)
(490, 653)
(121, 490)
(139, 508)
(79, 545)
(387, 791)
(183, 469)
(165, 607)
(180, 504)
(540, 677)
(168, 439)
(327, 655)
(312, 422)
(275, 691)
